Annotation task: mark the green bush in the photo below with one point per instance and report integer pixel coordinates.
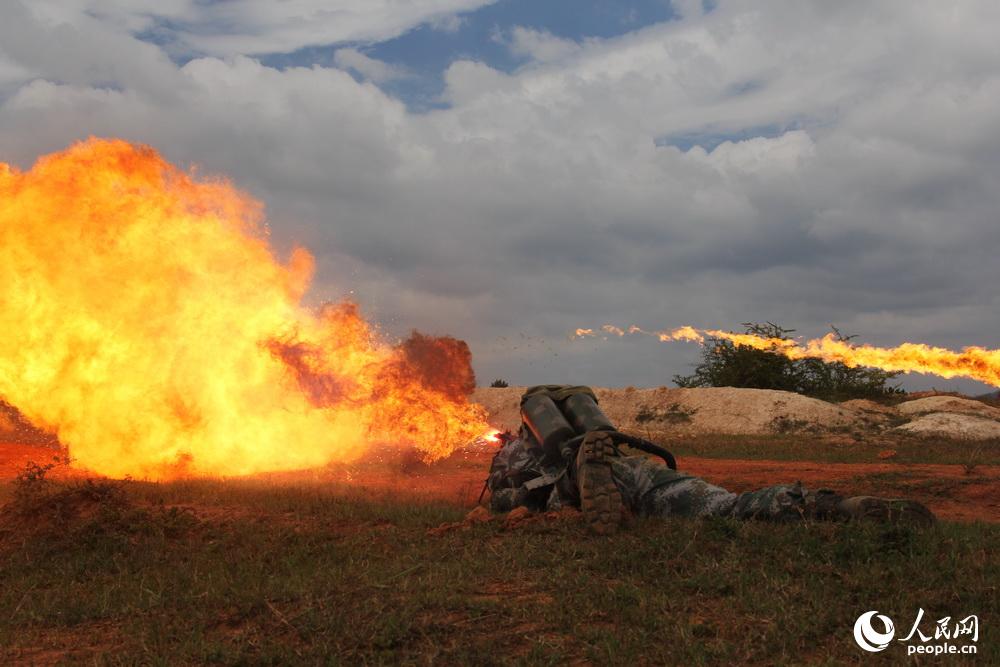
(725, 364)
(499, 384)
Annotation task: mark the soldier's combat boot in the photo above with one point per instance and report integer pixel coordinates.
(896, 511)
(600, 499)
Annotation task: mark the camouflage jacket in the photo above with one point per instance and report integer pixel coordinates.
(519, 477)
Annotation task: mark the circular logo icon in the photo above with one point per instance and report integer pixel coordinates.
(868, 637)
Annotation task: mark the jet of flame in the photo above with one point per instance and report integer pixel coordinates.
(976, 363)
(145, 320)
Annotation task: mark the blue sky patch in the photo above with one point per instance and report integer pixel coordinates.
(427, 51)
(710, 139)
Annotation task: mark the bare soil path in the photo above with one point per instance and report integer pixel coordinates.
(954, 492)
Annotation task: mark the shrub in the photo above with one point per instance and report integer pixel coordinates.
(61, 515)
(499, 384)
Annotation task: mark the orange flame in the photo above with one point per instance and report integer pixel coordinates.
(976, 363)
(146, 321)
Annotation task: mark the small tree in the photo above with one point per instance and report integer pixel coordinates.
(499, 384)
(725, 364)
(836, 381)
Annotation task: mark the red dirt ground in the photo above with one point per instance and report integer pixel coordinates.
(951, 491)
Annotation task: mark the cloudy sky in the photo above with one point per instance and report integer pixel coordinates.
(508, 171)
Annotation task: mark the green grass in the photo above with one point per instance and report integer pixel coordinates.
(276, 574)
(843, 448)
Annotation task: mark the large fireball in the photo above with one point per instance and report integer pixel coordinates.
(145, 319)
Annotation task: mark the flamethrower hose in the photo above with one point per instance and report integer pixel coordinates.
(646, 446)
(568, 447)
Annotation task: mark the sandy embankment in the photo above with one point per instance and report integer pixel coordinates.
(728, 410)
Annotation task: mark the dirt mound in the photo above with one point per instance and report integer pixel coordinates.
(932, 392)
(15, 428)
(952, 404)
(693, 411)
(722, 410)
(733, 411)
(952, 425)
(503, 405)
(874, 413)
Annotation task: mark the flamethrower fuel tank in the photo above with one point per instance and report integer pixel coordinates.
(546, 423)
(583, 414)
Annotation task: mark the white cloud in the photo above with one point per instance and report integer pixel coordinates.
(86, 51)
(124, 15)
(779, 156)
(11, 73)
(370, 68)
(259, 26)
(540, 45)
(540, 201)
(448, 23)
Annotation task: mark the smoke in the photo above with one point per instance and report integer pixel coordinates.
(442, 362)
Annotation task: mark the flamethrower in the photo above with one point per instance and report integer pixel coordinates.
(559, 417)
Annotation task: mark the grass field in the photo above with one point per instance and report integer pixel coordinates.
(251, 572)
(844, 448)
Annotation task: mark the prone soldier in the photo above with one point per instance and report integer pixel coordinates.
(568, 453)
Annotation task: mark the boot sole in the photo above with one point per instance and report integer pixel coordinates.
(600, 499)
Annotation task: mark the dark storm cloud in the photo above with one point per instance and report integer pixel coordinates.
(546, 198)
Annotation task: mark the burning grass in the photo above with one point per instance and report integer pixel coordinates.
(306, 572)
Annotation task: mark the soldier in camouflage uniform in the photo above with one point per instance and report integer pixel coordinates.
(601, 481)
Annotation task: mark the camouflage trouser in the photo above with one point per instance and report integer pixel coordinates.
(649, 489)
